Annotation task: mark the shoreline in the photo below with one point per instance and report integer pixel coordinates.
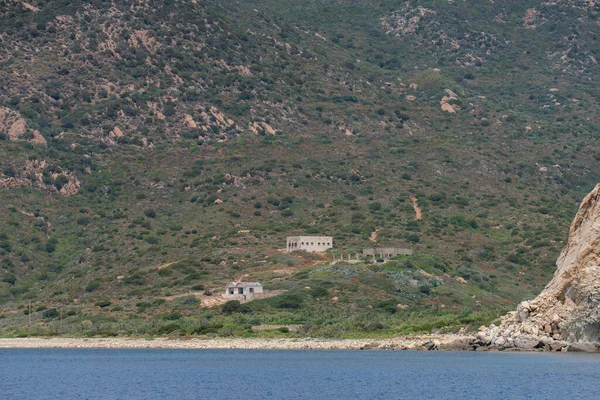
(417, 342)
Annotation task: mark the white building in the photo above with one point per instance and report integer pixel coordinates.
(311, 244)
(242, 290)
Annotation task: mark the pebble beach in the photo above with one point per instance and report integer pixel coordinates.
(420, 342)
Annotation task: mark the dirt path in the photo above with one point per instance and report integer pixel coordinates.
(373, 237)
(416, 207)
(205, 301)
(167, 265)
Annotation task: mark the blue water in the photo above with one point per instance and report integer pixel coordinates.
(273, 374)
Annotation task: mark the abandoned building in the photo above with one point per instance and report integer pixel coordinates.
(385, 253)
(311, 244)
(242, 290)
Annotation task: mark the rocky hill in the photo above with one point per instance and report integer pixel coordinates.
(567, 309)
(151, 151)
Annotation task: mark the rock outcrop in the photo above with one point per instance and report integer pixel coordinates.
(566, 314)
(15, 127)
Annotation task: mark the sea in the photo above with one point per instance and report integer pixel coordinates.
(294, 374)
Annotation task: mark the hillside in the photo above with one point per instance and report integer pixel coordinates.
(155, 149)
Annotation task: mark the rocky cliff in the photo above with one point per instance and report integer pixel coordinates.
(566, 312)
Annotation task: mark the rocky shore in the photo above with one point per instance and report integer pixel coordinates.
(421, 342)
(483, 341)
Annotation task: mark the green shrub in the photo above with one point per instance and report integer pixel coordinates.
(172, 316)
(373, 326)
(208, 328)
(387, 306)
(169, 328)
(143, 305)
(233, 306)
(188, 301)
(10, 279)
(60, 181)
(51, 313)
(289, 300)
(135, 279)
(4, 245)
(151, 239)
(85, 220)
(93, 285)
(319, 291)
(150, 213)
(103, 303)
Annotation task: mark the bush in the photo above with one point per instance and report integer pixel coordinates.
(188, 301)
(233, 306)
(387, 306)
(93, 285)
(169, 328)
(143, 305)
(60, 181)
(103, 303)
(289, 301)
(413, 238)
(135, 279)
(4, 245)
(150, 213)
(319, 291)
(375, 206)
(426, 288)
(151, 239)
(373, 326)
(172, 316)
(10, 279)
(211, 328)
(51, 313)
(51, 245)
(85, 220)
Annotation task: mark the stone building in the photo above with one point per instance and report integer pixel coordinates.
(385, 253)
(311, 244)
(242, 290)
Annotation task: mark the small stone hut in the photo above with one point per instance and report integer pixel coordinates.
(242, 290)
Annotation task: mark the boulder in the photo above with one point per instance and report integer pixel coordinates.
(527, 342)
(558, 345)
(430, 345)
(457, 344)
(582, 347)
(523, 315)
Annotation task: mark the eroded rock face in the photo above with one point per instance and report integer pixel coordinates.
(15, 127)
(568, 309)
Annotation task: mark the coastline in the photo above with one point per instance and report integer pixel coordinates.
(417, 342)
